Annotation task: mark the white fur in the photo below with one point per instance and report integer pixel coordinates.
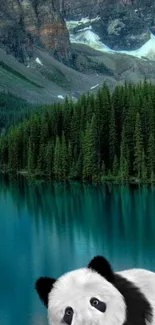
(75, 289)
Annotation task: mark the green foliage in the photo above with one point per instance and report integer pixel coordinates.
(18, 74)
(138, 147)
(13, 110)
(90, 153)
(124, 158)
(102, 137)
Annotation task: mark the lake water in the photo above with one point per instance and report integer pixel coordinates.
(46, 230)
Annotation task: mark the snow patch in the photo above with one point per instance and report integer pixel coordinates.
(38, 61)
(94, 86)
(85, 28)
(60, 96)
(146, 51)
(71, 24)
(88, 37)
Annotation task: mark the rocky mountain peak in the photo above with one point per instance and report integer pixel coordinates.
(25, 24)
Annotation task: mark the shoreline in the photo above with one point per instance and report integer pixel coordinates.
(107, 180)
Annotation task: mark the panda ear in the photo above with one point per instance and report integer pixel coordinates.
(102, 266)
(43, 287)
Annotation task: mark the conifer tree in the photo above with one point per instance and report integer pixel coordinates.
(57, 163)
(124, 158)
(44, 136)
(130, 129)
(151, 157)
(115, 166)
(103, 100)
(64, 159)
(49, 155)
(75, 134)
(112, 137)
(83, 104)
(90, 108)
(90, 166)
(144, 168)
(69, 157)
(138, 147)
(34, 142)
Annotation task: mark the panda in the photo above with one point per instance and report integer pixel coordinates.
(96, 295)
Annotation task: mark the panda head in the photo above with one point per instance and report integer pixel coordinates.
(86, 296)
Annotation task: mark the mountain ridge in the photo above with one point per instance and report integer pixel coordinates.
(39, 62)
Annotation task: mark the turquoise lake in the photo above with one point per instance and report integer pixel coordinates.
(46, 230)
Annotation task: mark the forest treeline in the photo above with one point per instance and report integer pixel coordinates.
(110, 136)
(13, 110)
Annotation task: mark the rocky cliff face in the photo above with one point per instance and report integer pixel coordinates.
(25, 24)
(123, 24)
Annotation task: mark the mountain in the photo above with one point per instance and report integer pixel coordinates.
(27, 24)
(122, 24)
(53, 48)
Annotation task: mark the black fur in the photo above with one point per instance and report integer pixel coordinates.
(102, 266)
(43, 287)
(139, 310)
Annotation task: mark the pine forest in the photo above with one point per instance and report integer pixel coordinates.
(102, 137)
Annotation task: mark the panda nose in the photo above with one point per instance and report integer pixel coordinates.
(66, 321)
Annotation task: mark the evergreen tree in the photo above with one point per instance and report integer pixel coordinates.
(64, 158)
(115, 166)
(57, 164)
(130, 129)
(103, 108)
(49, 154)
(90, 165)
(124, 158)
(138, 147)
(112, 137)
(15, 149)
(34, 142)
(151, 157)
(144, 168)
(44, 136)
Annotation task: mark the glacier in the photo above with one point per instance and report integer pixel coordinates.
(85, 35)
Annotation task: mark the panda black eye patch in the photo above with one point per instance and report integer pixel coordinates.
(99, 305)
(68, 316)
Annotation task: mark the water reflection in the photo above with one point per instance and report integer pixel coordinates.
(48, 229)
